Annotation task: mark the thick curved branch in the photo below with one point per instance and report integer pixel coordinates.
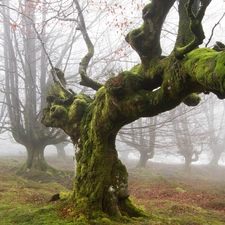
(85, 80)
(146, 39)
(195, 27)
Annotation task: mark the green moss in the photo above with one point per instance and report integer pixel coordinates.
(49, 173)
(192, 99)
(124, 84)
(128, 209)
(219, 72)
(25, 202)
(65, 195)
(76, 110)
(180, 190)
(201, 63)
(58, 111)
(136, 69)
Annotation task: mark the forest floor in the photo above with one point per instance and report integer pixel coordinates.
(167, 193)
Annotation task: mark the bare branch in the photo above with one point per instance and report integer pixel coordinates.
(85, 80)
(53, 70)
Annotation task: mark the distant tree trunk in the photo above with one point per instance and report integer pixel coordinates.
(215, 159)
(143, 143)
(217, 150)
(147, 153)
(187, 163)
(142, 160)
(61, 151)
(35, 159)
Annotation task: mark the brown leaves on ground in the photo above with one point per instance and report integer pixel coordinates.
(166, 189)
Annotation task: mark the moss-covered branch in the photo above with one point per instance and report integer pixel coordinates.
(202, 70)
(195, 27)
(146, 39)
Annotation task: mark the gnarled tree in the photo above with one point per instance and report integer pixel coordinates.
(156, 85)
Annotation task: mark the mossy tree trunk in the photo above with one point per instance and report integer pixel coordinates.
(156, 85)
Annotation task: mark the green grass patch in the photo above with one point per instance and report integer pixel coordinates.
(165, 192)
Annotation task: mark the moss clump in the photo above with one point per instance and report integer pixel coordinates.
(180, 190)
(58, 111)
(192, 100)
(65, 195)
(76, 110)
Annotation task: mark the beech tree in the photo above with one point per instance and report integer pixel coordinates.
(141, 137)
(157, 84)
(185, 133)
(214, 126)
(24, 85)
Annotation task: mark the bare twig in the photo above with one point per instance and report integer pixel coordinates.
(54, 75)
(212, 32)
(53, 71)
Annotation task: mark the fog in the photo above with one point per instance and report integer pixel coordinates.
(213, 15)
(11, 149)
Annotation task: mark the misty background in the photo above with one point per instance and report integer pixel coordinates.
(183, 135)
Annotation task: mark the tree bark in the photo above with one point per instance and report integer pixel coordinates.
(94, 189)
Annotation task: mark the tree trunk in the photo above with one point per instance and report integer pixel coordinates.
(101, 182)
(145, 155)
(35, 160)
(143, 160)
(187, 165)
(217, 151)
(215, 159)
(61, 151)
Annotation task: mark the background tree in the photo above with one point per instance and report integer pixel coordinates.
(214, 128)
(187, 135)
(141, 137)
(25, 84)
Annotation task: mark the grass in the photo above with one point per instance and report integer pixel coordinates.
(169, 195)
(25, 201)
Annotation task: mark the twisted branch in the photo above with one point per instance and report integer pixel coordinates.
(85, 80)
(195, 27)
